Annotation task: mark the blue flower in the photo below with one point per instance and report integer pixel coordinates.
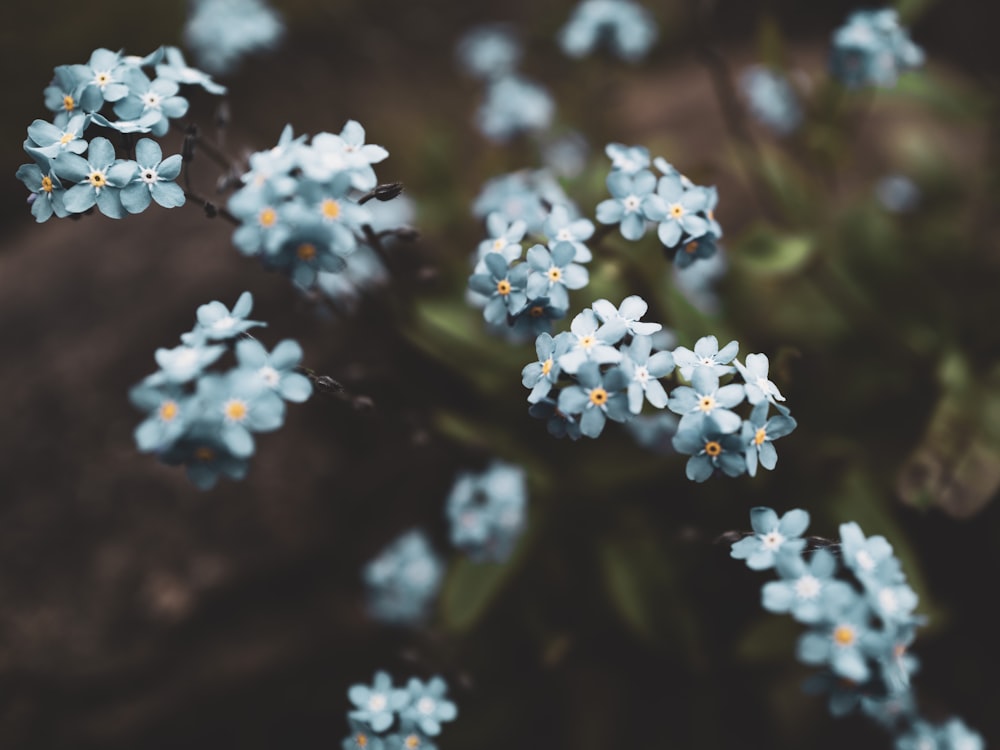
(155, 179)
(628, 313)
(626, 27)
(504, 238)
(100, 178)
(540, 376)
(677, 208)
(217, 323)
(562, 227)
(758, 432)
(377, 703)
(955, 735)
(871, 560)
(772, 535)
(487, 511)
(535, 318)
(558, 423)
(627, 159)
(102, 79)
(276, 370)
(175, 69)
(631, 196)
(706, 354)
(239, 406)
(552, 273)
(872, 49)
(710, 449)
(843, 639)
(62, 96)
(705, 399)
(265, 226)
(592, 342)
(46, 190)
(771, 100)
(503, 286)
(222, 32)
(403, 580)
(206, 456)
(514, 105)
(409, 737)
(643, 371)
(184, 363)
(489, 51)
(697, 249)
(154, 103)
(330, 154)
(362, 737)
(169, 410)
(51, 140)
(804, 587)
(523, 195)
(597, 398)
(428, 706)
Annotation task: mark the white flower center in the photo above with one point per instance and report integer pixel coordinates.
(772, 540)
(807, 587)
(149, 176)
(187, 358)
(224, 324)
(269, 375)
(865, 561)
(631, 203)
(377, 702)
(641, 374)
(564, 235)
(499, 244)
(707, 362)
(426, 705)
(888, 601)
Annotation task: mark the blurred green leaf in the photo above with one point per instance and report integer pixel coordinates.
(764, 250)
(469, 590)
(956, 466)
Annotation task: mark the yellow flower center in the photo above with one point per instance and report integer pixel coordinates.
(711, 215)
(102, 79)
(46, 184)
(547, 366)
(97, 179)
(412, 741)
(235, 410)
(204, 453)
(760, 436)
(713, 448)
(676, 210)
(555, 274)
(267, 217)
(503, 287)
(536, 311)
(361, 739)
(706, 403)
(598, 396)
(330, 209)
(66, 138)
(691, 247)
(843, 635)
(306, 251)
(587, 341)
(169, 411)
(69, 104)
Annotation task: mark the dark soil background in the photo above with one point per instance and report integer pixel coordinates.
(138, 612)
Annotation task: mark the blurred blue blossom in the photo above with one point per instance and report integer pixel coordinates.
(514, 105)
(489, 51)
(403, 580)
(897, 194)
(220, 33)
(872, 49)
(772, 536)
(378, 703)
(428, 706)
(487, 512)
(626, 28)
(771, 99)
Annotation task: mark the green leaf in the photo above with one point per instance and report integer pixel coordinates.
(766, 251)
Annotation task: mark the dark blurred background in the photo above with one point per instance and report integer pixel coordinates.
(138, 612)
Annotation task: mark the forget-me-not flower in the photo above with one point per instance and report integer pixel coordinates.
(772, 535)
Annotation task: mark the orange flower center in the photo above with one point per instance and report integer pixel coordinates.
(267, 217)
(330, 209)
(169, 411)
(204, 453)
(691, 247)
(536, 311)
(598, 396)
(547, 366)
(235, 410)
(69, 104)
(706, 403)
(306, 251)
(760, 436)
(555, 274)
(843, 635)
(46, 184)
(713, 448)
(676, 210)
(503, 287)
(97, 179)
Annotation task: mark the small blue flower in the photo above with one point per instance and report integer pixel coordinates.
(871, 560)
(217, 323)
(592, 342)
(771, 99)
(51, 140)
(503, 286)
(677, 208)
(758, 434)
(706, 354)
(631, 196)
(62, 96)
(541, 375)
(184, 363)
(504, 238)
(487, 511)
(100, 178)
(558, 423)
(562, 227)
(628, 313)
(523, 195)
(377, 703)
(955, 735)
(643, 371)
(553, 273)
(329, 155)
(155, 179)
(514, 105)
(46, 190)
(872, 49)
(222, 32)
(597, 398)
(428, 706)
(804, 587)
(409, 737)
(535, 318)
(693, 250)
(627, 28)
(705, 399)
(239, 406)
(205, 456)
(843, 638)
(169, 412)
(772, 535)
(403, 580)
(759, 388)
(362, 737)
(627, 159)
(710, 449)
(489, 51)
(102, 79)
(175, 69)
(153, 102)
(276, 370)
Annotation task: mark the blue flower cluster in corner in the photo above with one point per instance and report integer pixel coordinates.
(115, 93)
(513, 104)
(872, 49)
(487, 511)
(204, 420)
(302, 209)
(625, 27)
(684, 213)
(605, 368)
(859, 615)
(386, 717)
(403, 580)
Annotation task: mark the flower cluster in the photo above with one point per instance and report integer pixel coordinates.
(527, 296)
(403, 580)
(859, 612)
(386, 717)
(771, 99)
(627, 28)
(682, 211)
(487, 511)
(512, 104)
(222, 32)
(115, 93)
(872, 49)
(608, 358)
(302, 207)
(206, 420)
